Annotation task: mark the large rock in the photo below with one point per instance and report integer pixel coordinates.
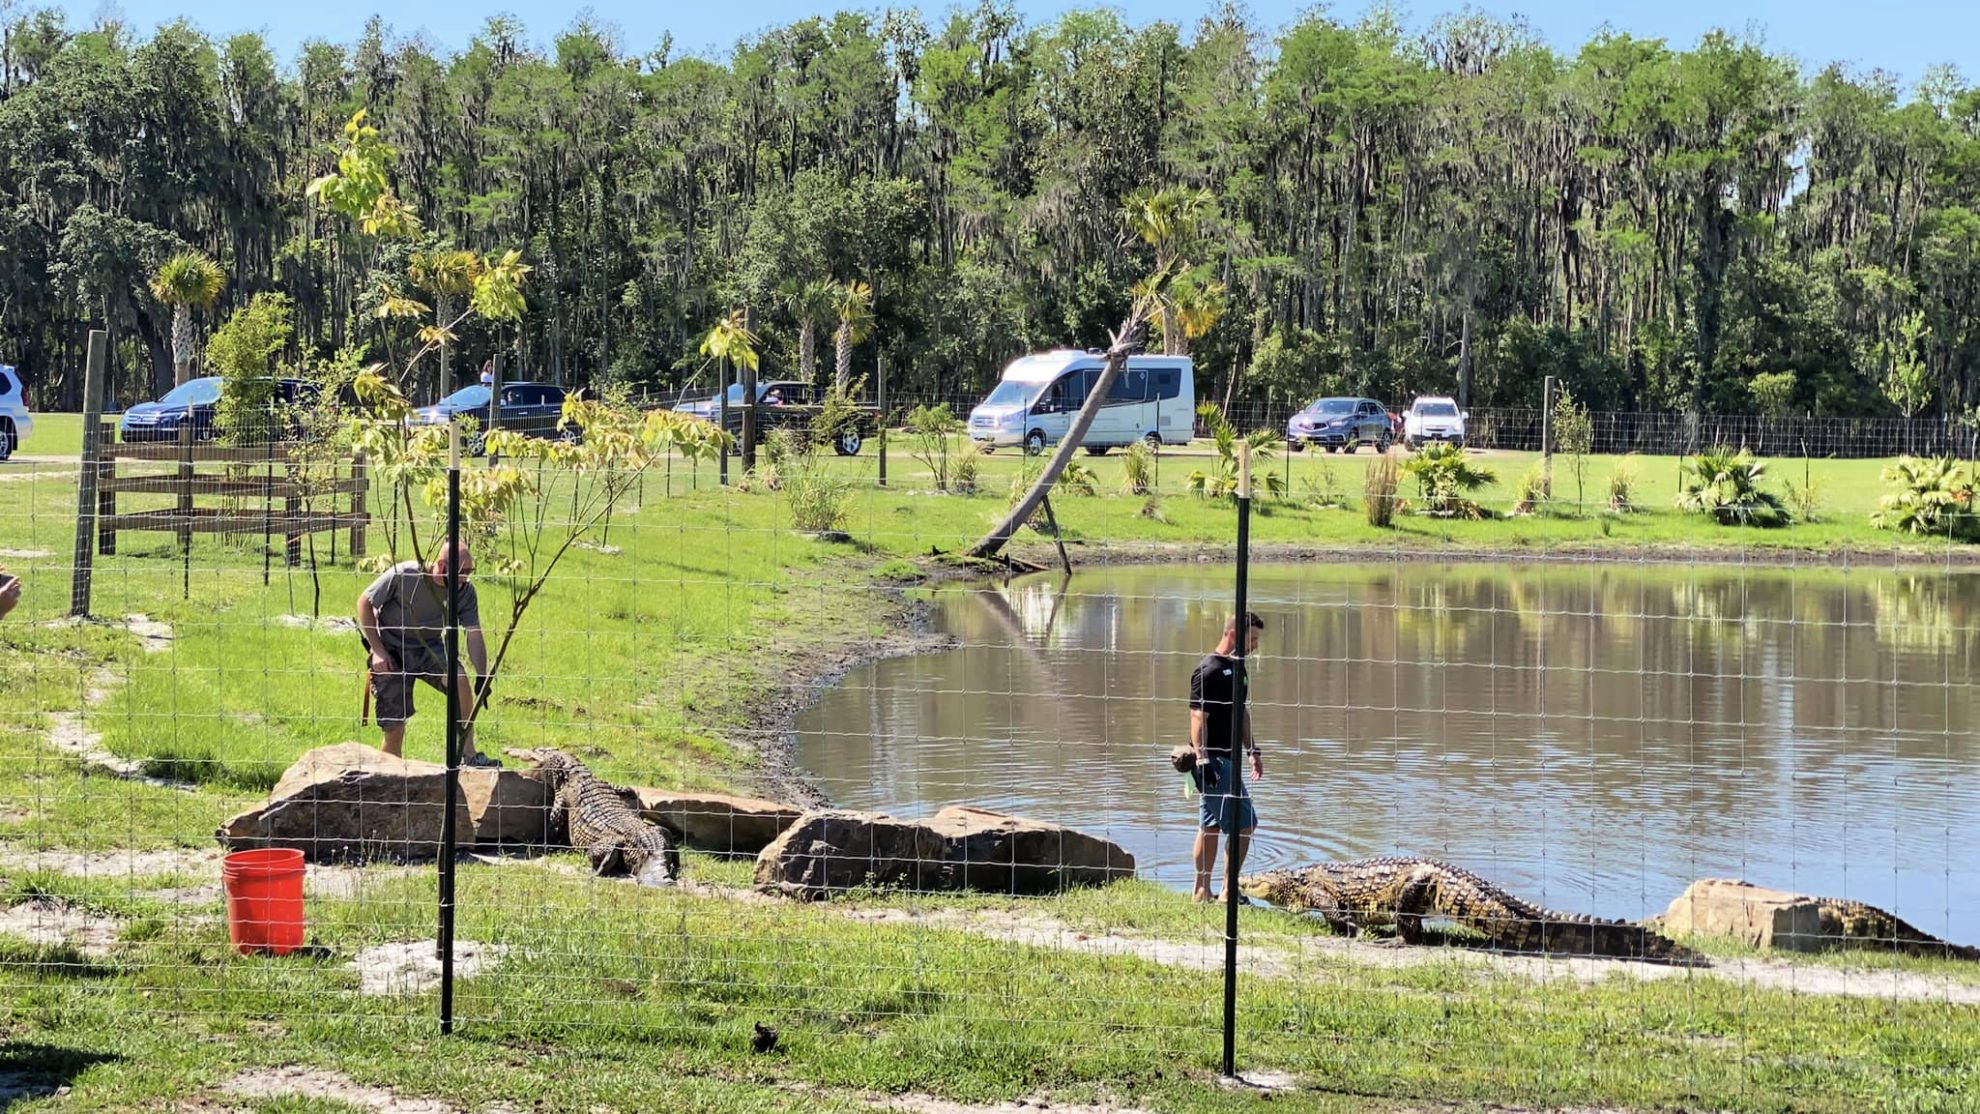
(1754, 915)
(715, 823)
(995, 853)
(959, 848)
(354, 802)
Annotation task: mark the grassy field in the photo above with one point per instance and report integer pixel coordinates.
(656, 654)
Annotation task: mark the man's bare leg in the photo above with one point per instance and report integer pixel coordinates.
(1206, 862)
(465, 689)
(394, 741)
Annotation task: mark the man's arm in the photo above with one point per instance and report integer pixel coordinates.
(477, 649)
(1196, 728)
(1251, 744)
(367, 617)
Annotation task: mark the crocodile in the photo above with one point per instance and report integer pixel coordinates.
(1406, 891)
(604, 821)
(1873, 929)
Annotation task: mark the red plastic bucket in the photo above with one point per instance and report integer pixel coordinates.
(264, 899)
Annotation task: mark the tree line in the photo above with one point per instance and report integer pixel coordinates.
(1465, 210)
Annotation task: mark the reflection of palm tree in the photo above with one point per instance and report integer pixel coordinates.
(1916, 613)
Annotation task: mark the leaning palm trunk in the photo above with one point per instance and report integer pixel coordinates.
(1125, 342)
(182, 343)
(844, 341)
(807, 359)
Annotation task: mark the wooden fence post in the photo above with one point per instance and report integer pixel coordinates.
(185, 486)
(93, 374)
(360, 490)
(105, 467)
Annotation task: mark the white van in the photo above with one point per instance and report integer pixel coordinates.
(1152, 399)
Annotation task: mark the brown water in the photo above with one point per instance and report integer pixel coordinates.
(1593, 736)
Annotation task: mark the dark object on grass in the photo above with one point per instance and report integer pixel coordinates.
(765, 1038)
(1183, 759)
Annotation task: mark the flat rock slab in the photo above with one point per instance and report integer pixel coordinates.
(833, 850)
(353, 802)
(715, 823)
(1754, 915)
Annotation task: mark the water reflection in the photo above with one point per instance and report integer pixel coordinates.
(1597, 735)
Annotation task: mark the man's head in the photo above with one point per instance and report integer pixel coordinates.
(1253, 624)
(451, 556)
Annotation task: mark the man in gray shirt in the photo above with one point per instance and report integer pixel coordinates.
(403, 615)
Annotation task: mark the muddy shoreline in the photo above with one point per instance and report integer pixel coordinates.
(803, 676)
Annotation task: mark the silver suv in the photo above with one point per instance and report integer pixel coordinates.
(15, 421)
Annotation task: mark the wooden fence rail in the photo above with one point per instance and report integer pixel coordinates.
(262, 488)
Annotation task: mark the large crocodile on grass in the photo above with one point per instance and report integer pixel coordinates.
(1406, 891)
(604, 821)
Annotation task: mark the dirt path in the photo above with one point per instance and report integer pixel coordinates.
(1304, 959)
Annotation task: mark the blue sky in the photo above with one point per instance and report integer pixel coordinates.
(1901, 36)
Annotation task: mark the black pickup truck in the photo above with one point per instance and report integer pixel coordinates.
(789, 404)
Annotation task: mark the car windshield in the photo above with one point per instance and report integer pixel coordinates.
(192, 393)
(1332, 406)
(467, 398)
(1436, 409)
(1011, 394)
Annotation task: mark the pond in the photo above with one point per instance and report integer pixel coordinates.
(1593, 736)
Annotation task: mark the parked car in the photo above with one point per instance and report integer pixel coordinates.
(1341, 423)
(195, 402)
(1152, 399)
(15, 420)
(1433, 418)
(531, 409)
(772, 392)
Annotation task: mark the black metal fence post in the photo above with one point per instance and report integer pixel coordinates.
(1236, 787)
(452, 552)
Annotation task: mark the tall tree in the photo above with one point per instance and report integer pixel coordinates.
(186, 282)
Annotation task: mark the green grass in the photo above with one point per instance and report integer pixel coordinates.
(54, 435)
(654, 662)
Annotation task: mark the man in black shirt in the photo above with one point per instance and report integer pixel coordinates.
(1213, 732)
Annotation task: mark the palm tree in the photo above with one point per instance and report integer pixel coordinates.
(1167, 219)
(813, 304)
(446, 275)
(186, 282)
(854, 306)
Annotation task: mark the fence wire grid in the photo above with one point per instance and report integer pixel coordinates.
(1583, 697)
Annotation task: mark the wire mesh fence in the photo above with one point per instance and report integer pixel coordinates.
(789, 793)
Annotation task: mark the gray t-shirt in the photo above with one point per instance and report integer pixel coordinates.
(413, 610)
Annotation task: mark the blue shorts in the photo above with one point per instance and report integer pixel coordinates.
(1221, 812)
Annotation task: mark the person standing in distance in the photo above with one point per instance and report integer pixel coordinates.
(403, 616)
(1213, 691)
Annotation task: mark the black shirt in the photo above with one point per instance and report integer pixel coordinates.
(1213, 690)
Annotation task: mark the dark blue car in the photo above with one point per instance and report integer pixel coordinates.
(194, 403)
(532, 409)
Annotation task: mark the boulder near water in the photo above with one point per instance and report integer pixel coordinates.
(834, 850)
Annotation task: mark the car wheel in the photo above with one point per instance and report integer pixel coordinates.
(1153, 441)
(8, 439)
(1333, 448)
(570, 435)
(847, 443)
(476, 443)
(1295, 445)
(1097, 450)
(1382, 443)
(1353, 445)
(1034, 442)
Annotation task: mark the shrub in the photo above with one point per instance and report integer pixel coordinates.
(1221, 481)
(1622, 488)
(1138, 469)
(1324, 492)
(1378, 490)
(1727, 486)
(933, 429)
(1078, 479)
(1574, 436)
(1446, 478)
(968, 470)
(1534, 490)
(1934, 496)
(816, 492)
